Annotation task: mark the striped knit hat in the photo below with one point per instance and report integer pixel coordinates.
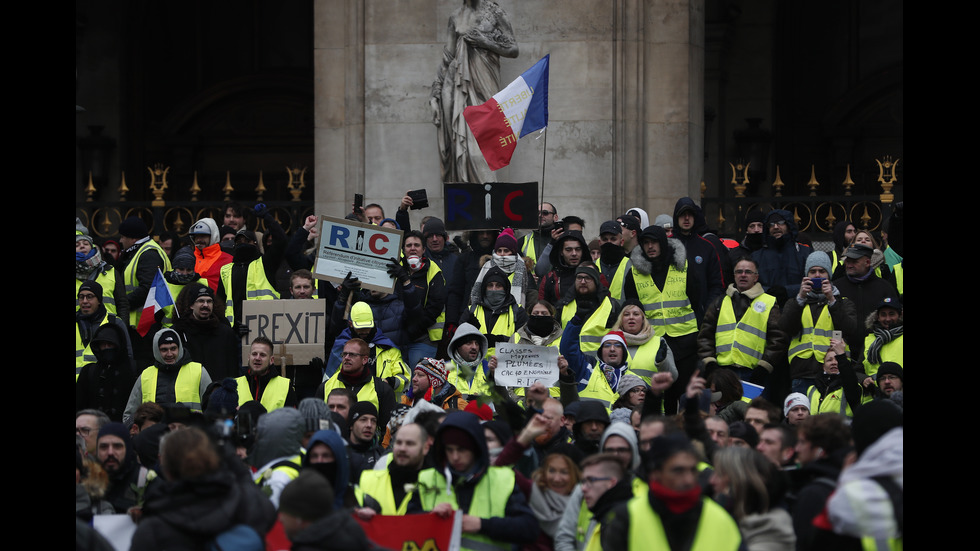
(434, 368)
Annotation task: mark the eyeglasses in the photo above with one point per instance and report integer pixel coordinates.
(590, 480)
(547, 212)
(780, 223)
(638, 390)
(84, 431)
(350, 354)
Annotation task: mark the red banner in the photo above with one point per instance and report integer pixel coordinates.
(414, 532)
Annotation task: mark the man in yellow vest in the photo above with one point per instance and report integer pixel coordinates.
(391, 486)
(140, 259)
(605, 485)
(740, 330)
(885, 341)
(92, 315)
(532, 245)
(810, 318)
(592, 303)
(496, 514)
(667, 286)
(672, 514)
(172, 379)
(263, 383)
(247, 277)
(90, 266)
(613, 260)
(356, 375)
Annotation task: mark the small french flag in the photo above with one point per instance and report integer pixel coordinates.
(157, 299)
(511, 114)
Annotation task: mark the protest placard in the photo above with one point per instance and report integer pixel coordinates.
(491, 206)
(521, 365)
(363, 250)
(427, 532)
(296, 327)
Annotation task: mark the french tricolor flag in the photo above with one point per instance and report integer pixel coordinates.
(157, 299)
(511, 114)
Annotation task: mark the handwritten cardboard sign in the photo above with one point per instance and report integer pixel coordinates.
(521, 365)
(361, 249)
(295, 326)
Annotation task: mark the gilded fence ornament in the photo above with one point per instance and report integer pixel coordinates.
(195, 188)
(158, 183)
(89, 189)
(260, 189)
(778, 184)
(740, 177)
(813, 184)
(296, 181)
(887, 180)
(228, 188)
(123, 188)
(848, 183)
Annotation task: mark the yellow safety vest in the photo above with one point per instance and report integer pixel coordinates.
(478, 385)
(83, 352)
(717, 530)
(257, 286)
(831, 403)
(273, 397)
(129, 274)
(669, 310)
(813, 341)
(742, 342)
(490, 498)
(893, 351)
(435, 330)
(505, 324)
(377, 484)
(616, 281)
(388, 362)
(527, 247)
(367, 393)
(598, 388)
(187, 388)
(643, 359)
(593, 329)
(107, 280)
(899, 278)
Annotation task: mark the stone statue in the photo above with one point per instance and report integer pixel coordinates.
(479, 33)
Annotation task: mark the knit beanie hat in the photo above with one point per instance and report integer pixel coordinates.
(755, 216)
(184, 259)
(483, 411)
(458, 437)
(891, 368)
(434, 226)
(223, 398)
(506, 239)
(434, 368)
(133, 228)
(93, 287)
(818, 258)
(745, 431)
(793, 400)
(117, 429)
(628, 382)
(362, 408)
(309, 496)
(589, 271)
(872, 421)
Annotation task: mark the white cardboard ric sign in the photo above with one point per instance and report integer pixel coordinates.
(295, 326)
(362, 249)
(521, 365)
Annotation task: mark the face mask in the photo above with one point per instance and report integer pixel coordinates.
(184, 279)
(495, 299)
(754, 240)
(414, 263)
(107, 355)
(328, 470)
(540, 325)
(245, 252)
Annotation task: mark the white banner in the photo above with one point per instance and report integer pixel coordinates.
(363, 250)
(521, 365)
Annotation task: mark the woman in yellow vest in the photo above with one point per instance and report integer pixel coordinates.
(648, 353)
(837, 390)
(885, 341)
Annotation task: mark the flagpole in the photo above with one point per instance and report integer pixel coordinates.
(544, 159)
